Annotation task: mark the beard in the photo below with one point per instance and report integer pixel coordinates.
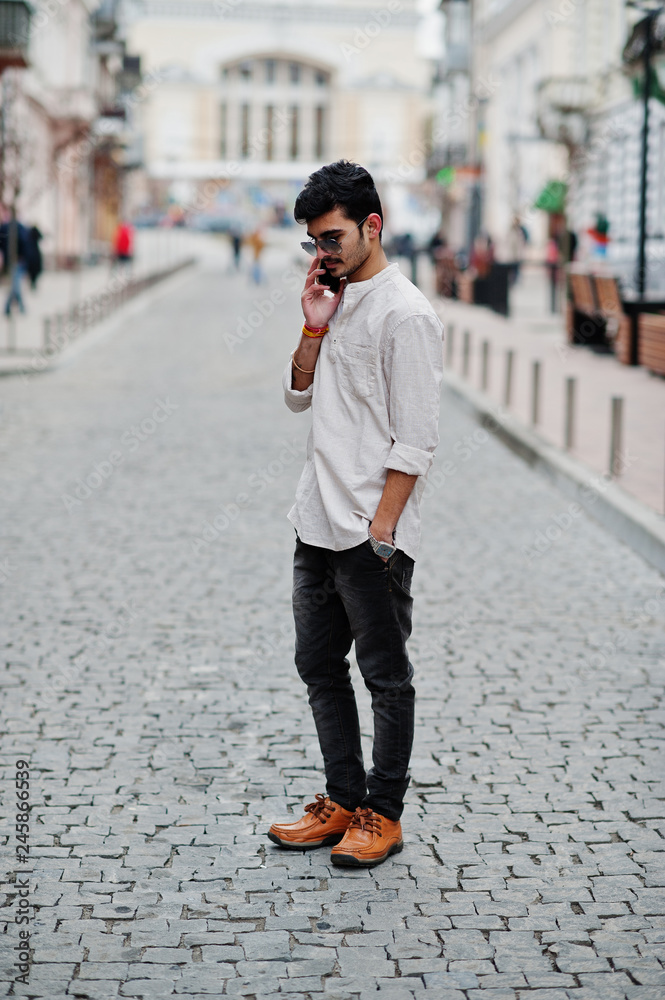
(355, 260)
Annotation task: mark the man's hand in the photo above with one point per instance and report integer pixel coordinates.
(396, 491)
(382, 534)
(316, 305)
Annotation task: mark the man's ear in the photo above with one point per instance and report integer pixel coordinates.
(374, 225)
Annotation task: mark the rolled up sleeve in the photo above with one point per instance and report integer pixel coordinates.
(297, 400)
(413, 365)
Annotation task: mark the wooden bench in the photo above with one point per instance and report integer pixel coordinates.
(585, 323)
(610, 307)
(651, 344)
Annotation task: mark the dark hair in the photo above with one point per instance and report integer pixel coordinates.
(343, 185)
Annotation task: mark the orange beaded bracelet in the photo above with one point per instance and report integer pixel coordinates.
(314, 331)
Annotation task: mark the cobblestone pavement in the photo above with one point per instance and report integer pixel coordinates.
(145, 566)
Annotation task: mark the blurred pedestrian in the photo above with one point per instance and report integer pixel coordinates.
(236, 246)
(372, 377)
(482, 255)
(123, 244)
(552, 262)
(13, 242)
(515, 243)
(257, 243)
(438, 242)
(33, 256)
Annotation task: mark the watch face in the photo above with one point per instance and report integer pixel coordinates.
(384, 550)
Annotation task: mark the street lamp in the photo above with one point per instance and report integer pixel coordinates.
(14, 34)
(647, 38)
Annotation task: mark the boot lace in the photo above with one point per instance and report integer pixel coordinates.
(366, 819)
(321, 808)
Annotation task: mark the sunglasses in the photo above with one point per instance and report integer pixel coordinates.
(328, 245)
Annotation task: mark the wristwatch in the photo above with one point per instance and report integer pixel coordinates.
(383, 549)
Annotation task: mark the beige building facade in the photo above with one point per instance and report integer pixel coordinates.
(264, 93)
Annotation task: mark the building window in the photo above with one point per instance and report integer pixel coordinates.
(293, 144)
(319, 132)
(244, 131)
(254, 124)
(223, 126)
(270, 132)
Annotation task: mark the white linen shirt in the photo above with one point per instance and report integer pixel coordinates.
(375, 406)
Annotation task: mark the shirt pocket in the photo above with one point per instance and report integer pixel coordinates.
(357, 364)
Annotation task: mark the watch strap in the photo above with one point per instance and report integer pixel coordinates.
(376, 545)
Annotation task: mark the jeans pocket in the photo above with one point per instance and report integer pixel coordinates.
(403, 572)
(368, 545)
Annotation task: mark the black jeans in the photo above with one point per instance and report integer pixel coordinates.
(339, 597)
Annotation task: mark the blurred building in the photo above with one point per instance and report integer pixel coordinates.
(521, 49)
(605, 175)
(454, 142)
(64, 128)
(532, 99)
(264, 92)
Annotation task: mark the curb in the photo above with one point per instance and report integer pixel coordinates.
(599, 496)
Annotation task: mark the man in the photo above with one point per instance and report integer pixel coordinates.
(369, 364)
(13, 239)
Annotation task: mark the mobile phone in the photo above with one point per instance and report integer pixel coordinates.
(329, 279)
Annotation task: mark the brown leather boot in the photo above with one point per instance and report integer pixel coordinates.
(369, 840)
(323, 824)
